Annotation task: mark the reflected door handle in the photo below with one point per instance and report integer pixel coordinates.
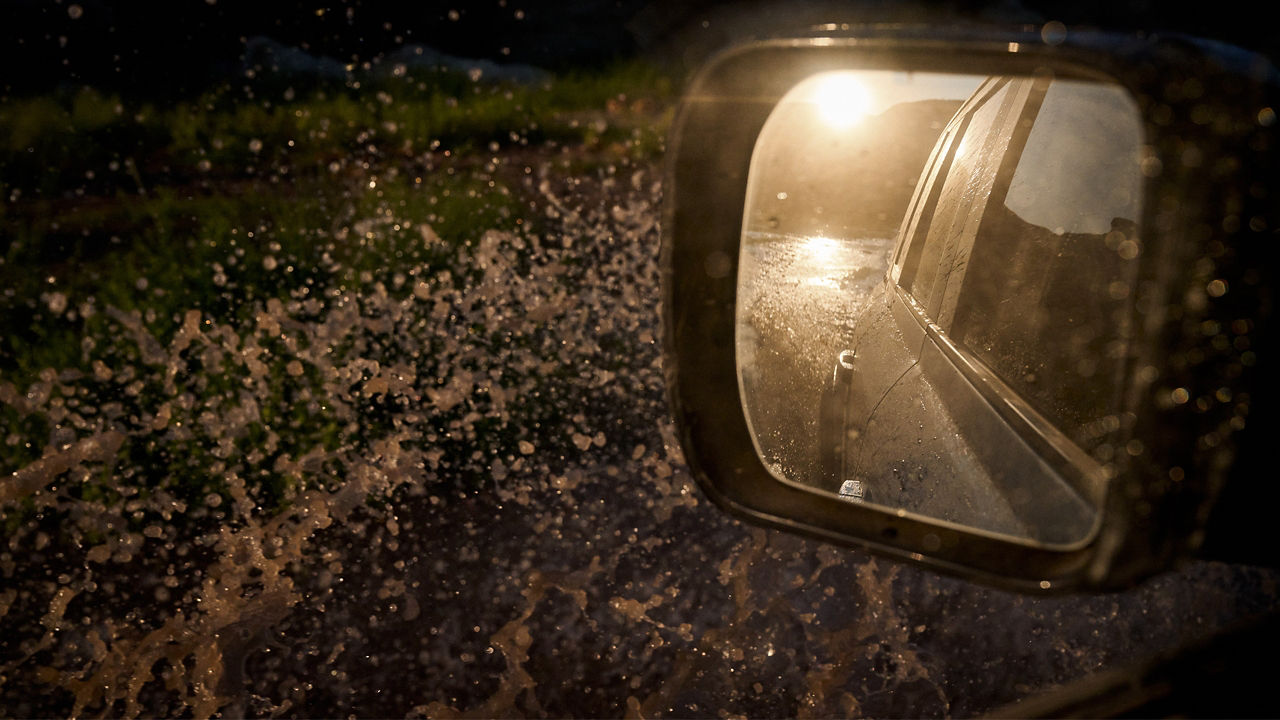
(843, 374)
(831, 419)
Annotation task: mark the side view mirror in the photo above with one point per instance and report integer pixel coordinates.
(997, 305)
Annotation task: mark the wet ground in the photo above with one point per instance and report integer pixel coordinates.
(799, 298)
(499, 525)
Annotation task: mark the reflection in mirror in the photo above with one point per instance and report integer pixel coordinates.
(934, 294)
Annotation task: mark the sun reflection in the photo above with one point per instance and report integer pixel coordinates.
(842, 99)
(819, 250)
(829, 283)
(820, 256)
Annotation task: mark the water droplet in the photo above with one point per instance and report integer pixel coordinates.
(1053, 33)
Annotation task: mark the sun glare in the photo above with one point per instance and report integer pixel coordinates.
(819, 250)
(842, 99)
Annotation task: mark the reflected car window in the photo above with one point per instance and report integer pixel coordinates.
(963, 189)
(1079, 170)
(1043, 303)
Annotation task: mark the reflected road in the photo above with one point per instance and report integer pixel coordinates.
(797, 300)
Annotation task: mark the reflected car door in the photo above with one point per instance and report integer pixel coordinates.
(885, 340)
(1018, 288)
(906, 457)
(935, 444)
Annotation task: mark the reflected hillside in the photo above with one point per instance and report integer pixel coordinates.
(806, 177)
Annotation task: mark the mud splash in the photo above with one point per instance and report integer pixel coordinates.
(452, 490)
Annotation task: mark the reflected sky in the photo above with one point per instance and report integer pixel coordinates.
(842, 97)
(842, 151)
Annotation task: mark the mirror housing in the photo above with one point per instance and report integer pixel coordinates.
(1197, 397)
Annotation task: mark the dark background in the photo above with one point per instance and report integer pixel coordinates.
(181, 46)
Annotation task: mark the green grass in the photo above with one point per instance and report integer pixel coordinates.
(120, 203)
(84, 141)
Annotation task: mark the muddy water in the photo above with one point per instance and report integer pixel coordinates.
(458, 494)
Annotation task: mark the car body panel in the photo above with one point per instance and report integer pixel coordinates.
(920, 434)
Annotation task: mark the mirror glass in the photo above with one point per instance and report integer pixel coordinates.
(935, 291)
